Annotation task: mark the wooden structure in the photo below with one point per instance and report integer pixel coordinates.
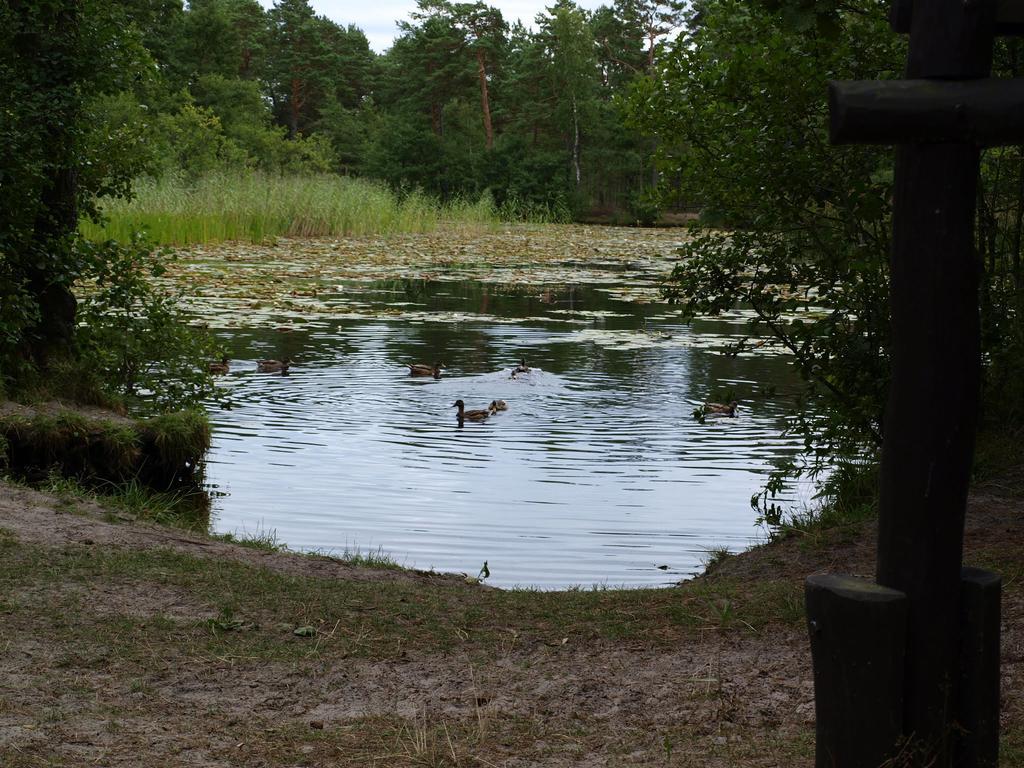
(914, 659)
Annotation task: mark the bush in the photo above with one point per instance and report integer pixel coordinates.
(134, 337)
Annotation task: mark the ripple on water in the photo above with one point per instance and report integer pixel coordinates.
(597, 473)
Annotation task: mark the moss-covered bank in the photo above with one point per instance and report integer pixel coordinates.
(93, 445)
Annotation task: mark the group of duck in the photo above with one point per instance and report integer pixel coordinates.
(262, 366)
(475, 414)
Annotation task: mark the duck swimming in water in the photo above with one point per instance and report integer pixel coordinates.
(273, 366)
(725, 410)
(421, 369)
(220, 368)
(497, 405)
(474, 415)
(521, 368)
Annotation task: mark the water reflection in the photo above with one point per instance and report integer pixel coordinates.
(597, 473)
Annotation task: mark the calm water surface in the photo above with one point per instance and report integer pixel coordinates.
(597, 474)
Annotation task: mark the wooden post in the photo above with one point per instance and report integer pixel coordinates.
(976, 736)
(931, 414)
(858, 642)
(938, 119)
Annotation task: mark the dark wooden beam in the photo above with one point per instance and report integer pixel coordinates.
(986, 113)
(1009, 20)
(930, 421)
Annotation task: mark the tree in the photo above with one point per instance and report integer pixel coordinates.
(216, 37)
(483, 39)
(738, 109)
(569, 45)
(55, 55)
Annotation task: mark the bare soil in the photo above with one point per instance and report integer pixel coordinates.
(116, 650)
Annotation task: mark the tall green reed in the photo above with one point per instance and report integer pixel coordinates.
(256, 206)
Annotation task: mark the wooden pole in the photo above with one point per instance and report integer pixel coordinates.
(933, 400)
(976, 742)
(858, 643)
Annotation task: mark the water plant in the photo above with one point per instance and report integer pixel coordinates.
(257, 206)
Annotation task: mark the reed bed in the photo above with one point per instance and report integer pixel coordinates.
(255, 207)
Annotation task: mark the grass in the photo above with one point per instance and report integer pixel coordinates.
(715, 557)
(377, 558)
(163, 452)
(370, 619)
(264, 541)
(256, 207)
(178, 509)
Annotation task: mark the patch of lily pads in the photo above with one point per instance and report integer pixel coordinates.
(233, 284)
(291, 284)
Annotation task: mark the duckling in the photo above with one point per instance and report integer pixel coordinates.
(497, 405)
(475, 415)
(220, 368)
(273, 366)
(725, 410)
(420, 369)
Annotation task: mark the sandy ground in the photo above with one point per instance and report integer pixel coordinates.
(715, 698)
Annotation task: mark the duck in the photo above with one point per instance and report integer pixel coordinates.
(273, 366)
(497, 405)
(474, 415)
(421, 369)
(725, 410)
(220, 368)
(521, 368)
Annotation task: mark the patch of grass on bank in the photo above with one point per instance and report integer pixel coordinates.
(133, 499)
(377, 619)
(264, 541)
(255, 207)
(356, 556)
(848, 498)
(162, 452)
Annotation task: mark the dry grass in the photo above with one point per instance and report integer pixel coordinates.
(158, 643)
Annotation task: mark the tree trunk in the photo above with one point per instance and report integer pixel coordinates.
(55, 41)
(576, 141)
(295, 105)
(485, 102)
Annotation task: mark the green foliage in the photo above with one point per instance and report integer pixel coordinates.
(195, 142)
(738, 110)
(135, 337)
(737, 107)
(180, 438)
(55, 57)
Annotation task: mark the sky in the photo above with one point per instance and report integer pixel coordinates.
(377, 17)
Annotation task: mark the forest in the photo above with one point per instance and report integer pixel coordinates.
(462, 103)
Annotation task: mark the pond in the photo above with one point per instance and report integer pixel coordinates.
(597, 474)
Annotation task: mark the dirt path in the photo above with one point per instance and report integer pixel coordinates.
(123, 643)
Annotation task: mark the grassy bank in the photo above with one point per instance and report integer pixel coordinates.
(196, 648)
(100, 447)
(257, 206)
